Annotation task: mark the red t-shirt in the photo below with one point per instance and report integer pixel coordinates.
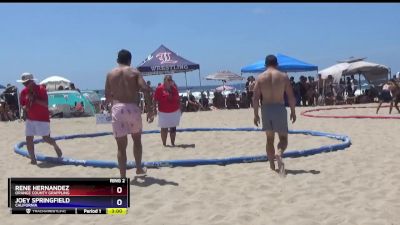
(36, 111)
(165, 104)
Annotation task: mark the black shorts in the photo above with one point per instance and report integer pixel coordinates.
(385, 96)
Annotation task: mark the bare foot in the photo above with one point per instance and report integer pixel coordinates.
(141, 171)
(272, 165)
(34, 162)
(281, 166)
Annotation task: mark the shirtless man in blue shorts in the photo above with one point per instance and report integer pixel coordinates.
(272, 84)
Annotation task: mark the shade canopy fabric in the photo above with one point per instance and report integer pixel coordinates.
(374, 73)
(55, 79)
(224, 76)
(285, 63)
(165, 61)
(336, 71)
(53, 82)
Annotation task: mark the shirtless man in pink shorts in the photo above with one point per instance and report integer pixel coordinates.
(123, 84)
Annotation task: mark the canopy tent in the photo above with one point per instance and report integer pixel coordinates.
(53, 82)
(165, 61)
(285, 63)
(336, 71)
(375, 74)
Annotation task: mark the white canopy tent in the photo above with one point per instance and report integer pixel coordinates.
(374, 73)
(53, 82)
(336, 71)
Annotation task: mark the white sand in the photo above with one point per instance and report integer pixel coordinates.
(360, 185)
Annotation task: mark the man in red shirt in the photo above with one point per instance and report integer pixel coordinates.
(34, 101)
(169, 113)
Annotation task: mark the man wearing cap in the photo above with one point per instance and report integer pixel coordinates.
(34, 102)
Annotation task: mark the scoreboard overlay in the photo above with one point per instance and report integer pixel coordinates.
(68, 195)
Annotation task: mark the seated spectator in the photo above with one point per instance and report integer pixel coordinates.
(339, 100)
(78, 110)
(244, 102)
(192, 104)
(183, 100)
(231, 102)
(204, 101)
(365, 98)
(219, 100)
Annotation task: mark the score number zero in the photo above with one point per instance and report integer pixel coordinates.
(119, 189)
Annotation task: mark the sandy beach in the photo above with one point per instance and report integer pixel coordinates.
(360, 185)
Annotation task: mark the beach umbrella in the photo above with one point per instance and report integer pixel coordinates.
(224, 76)
(225, 88)
(55, 81)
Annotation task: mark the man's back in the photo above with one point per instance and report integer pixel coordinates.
(123, 84)
(272, 85)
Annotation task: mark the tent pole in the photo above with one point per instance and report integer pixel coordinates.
(241, 83)
(200, 78)
(20, 112)
(323, 91)
(359, 82)
(186, 81)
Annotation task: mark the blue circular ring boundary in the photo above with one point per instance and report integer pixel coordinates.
(346, 142)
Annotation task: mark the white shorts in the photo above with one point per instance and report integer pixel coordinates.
(37, 128)
(167, 120)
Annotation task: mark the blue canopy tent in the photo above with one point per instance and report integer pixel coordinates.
(165, 61)
(286, 64)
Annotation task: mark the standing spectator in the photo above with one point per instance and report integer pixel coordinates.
(252, 84)
(34, 101)
(169, 113)
(354, 84)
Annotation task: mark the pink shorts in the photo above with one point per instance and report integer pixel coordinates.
(126, 119)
